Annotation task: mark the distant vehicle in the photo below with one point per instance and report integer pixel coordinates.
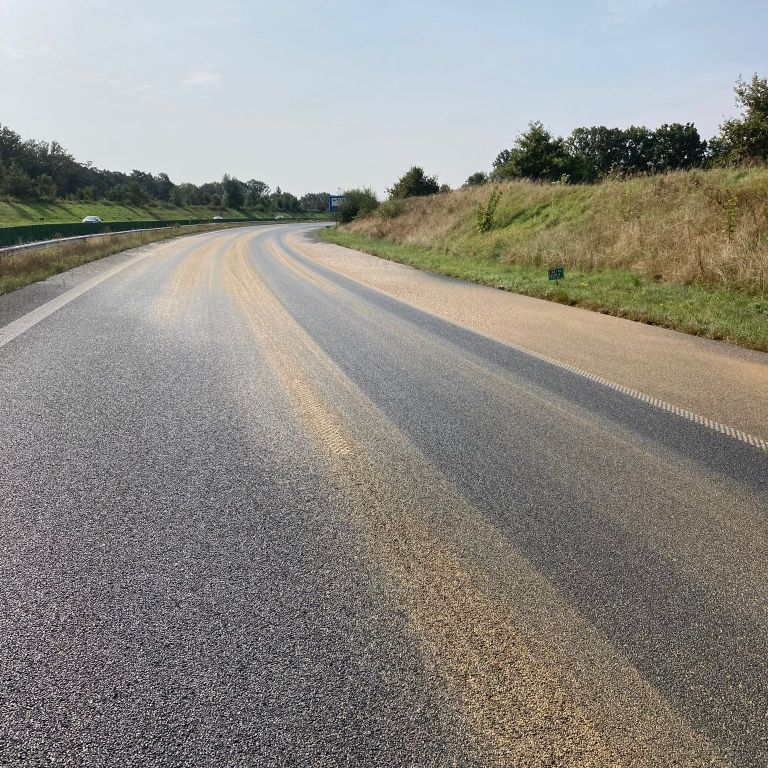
(218, 218)
(91, 220)
(280, 216)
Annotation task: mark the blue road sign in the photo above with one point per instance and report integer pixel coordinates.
(334, 202)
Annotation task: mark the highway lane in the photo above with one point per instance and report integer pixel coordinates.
(255, 513)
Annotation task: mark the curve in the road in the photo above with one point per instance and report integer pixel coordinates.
(255, 511)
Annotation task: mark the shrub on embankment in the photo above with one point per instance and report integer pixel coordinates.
(706, 227)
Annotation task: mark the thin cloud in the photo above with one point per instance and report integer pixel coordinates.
(125, 87)
(203, 78)
(619, 12)
(13, 53)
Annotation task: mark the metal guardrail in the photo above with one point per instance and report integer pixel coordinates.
(11, 249)
(28, 233)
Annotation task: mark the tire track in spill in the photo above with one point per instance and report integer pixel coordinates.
(267, 319)
(182, 286)
(533, 683)
(192, 279)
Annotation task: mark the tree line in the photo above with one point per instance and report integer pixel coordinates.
(593, 153)
(45, 171)
(590, 154)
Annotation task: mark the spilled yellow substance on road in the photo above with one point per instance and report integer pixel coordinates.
(674, 367)
(698, 520)
(194, 277)
(265, 317)
(184, 284)
(533, 683)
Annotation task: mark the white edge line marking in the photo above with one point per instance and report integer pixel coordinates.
(715, 426)
(25, 322)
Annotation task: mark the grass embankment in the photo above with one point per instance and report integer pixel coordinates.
(29, 266)
(16, 214)
(686, 250)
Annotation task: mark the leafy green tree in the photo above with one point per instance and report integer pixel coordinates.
(206, 192)
(258, 189)
(141, 187)
(639, 150)
(117, 193)
(136, 193)
(18, 181)
(185, 194)
(414, 183)
(234, 191)
(538, 155)
(504, 158)
(285, 201)
(357, 202)
(163, 187)
(745, 137)
(87, 193)
(129, 192)
(256, 194)
(476, 179)
(677, 146)
(314, 201)
(45, 188)
(68, 175)
(600, 149)
(10, 145)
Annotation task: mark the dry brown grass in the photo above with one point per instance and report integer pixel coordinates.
(706, 227)
(28, 266)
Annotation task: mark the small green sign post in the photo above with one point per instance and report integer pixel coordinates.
(557, 273)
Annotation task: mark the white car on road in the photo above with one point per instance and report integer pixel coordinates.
(92, 220)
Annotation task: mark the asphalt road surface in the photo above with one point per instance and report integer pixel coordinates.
(255, 513)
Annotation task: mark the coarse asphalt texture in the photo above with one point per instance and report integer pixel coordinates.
(258, 513)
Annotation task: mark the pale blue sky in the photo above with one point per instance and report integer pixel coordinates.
(321, 95)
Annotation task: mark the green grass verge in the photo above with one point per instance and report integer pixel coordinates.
(35, 264)
(15, 214)
(716, 313)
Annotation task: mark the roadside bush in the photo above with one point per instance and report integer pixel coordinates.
(745, 138)
(391, 209)
(414, 183)
(476, 179)
(485, 214)
(357, 202)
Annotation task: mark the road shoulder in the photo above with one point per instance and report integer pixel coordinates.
(714, 379)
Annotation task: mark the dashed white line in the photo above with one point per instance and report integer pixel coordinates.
(737, 434)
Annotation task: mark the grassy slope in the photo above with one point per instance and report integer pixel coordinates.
(18, 213)
(687, 251)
